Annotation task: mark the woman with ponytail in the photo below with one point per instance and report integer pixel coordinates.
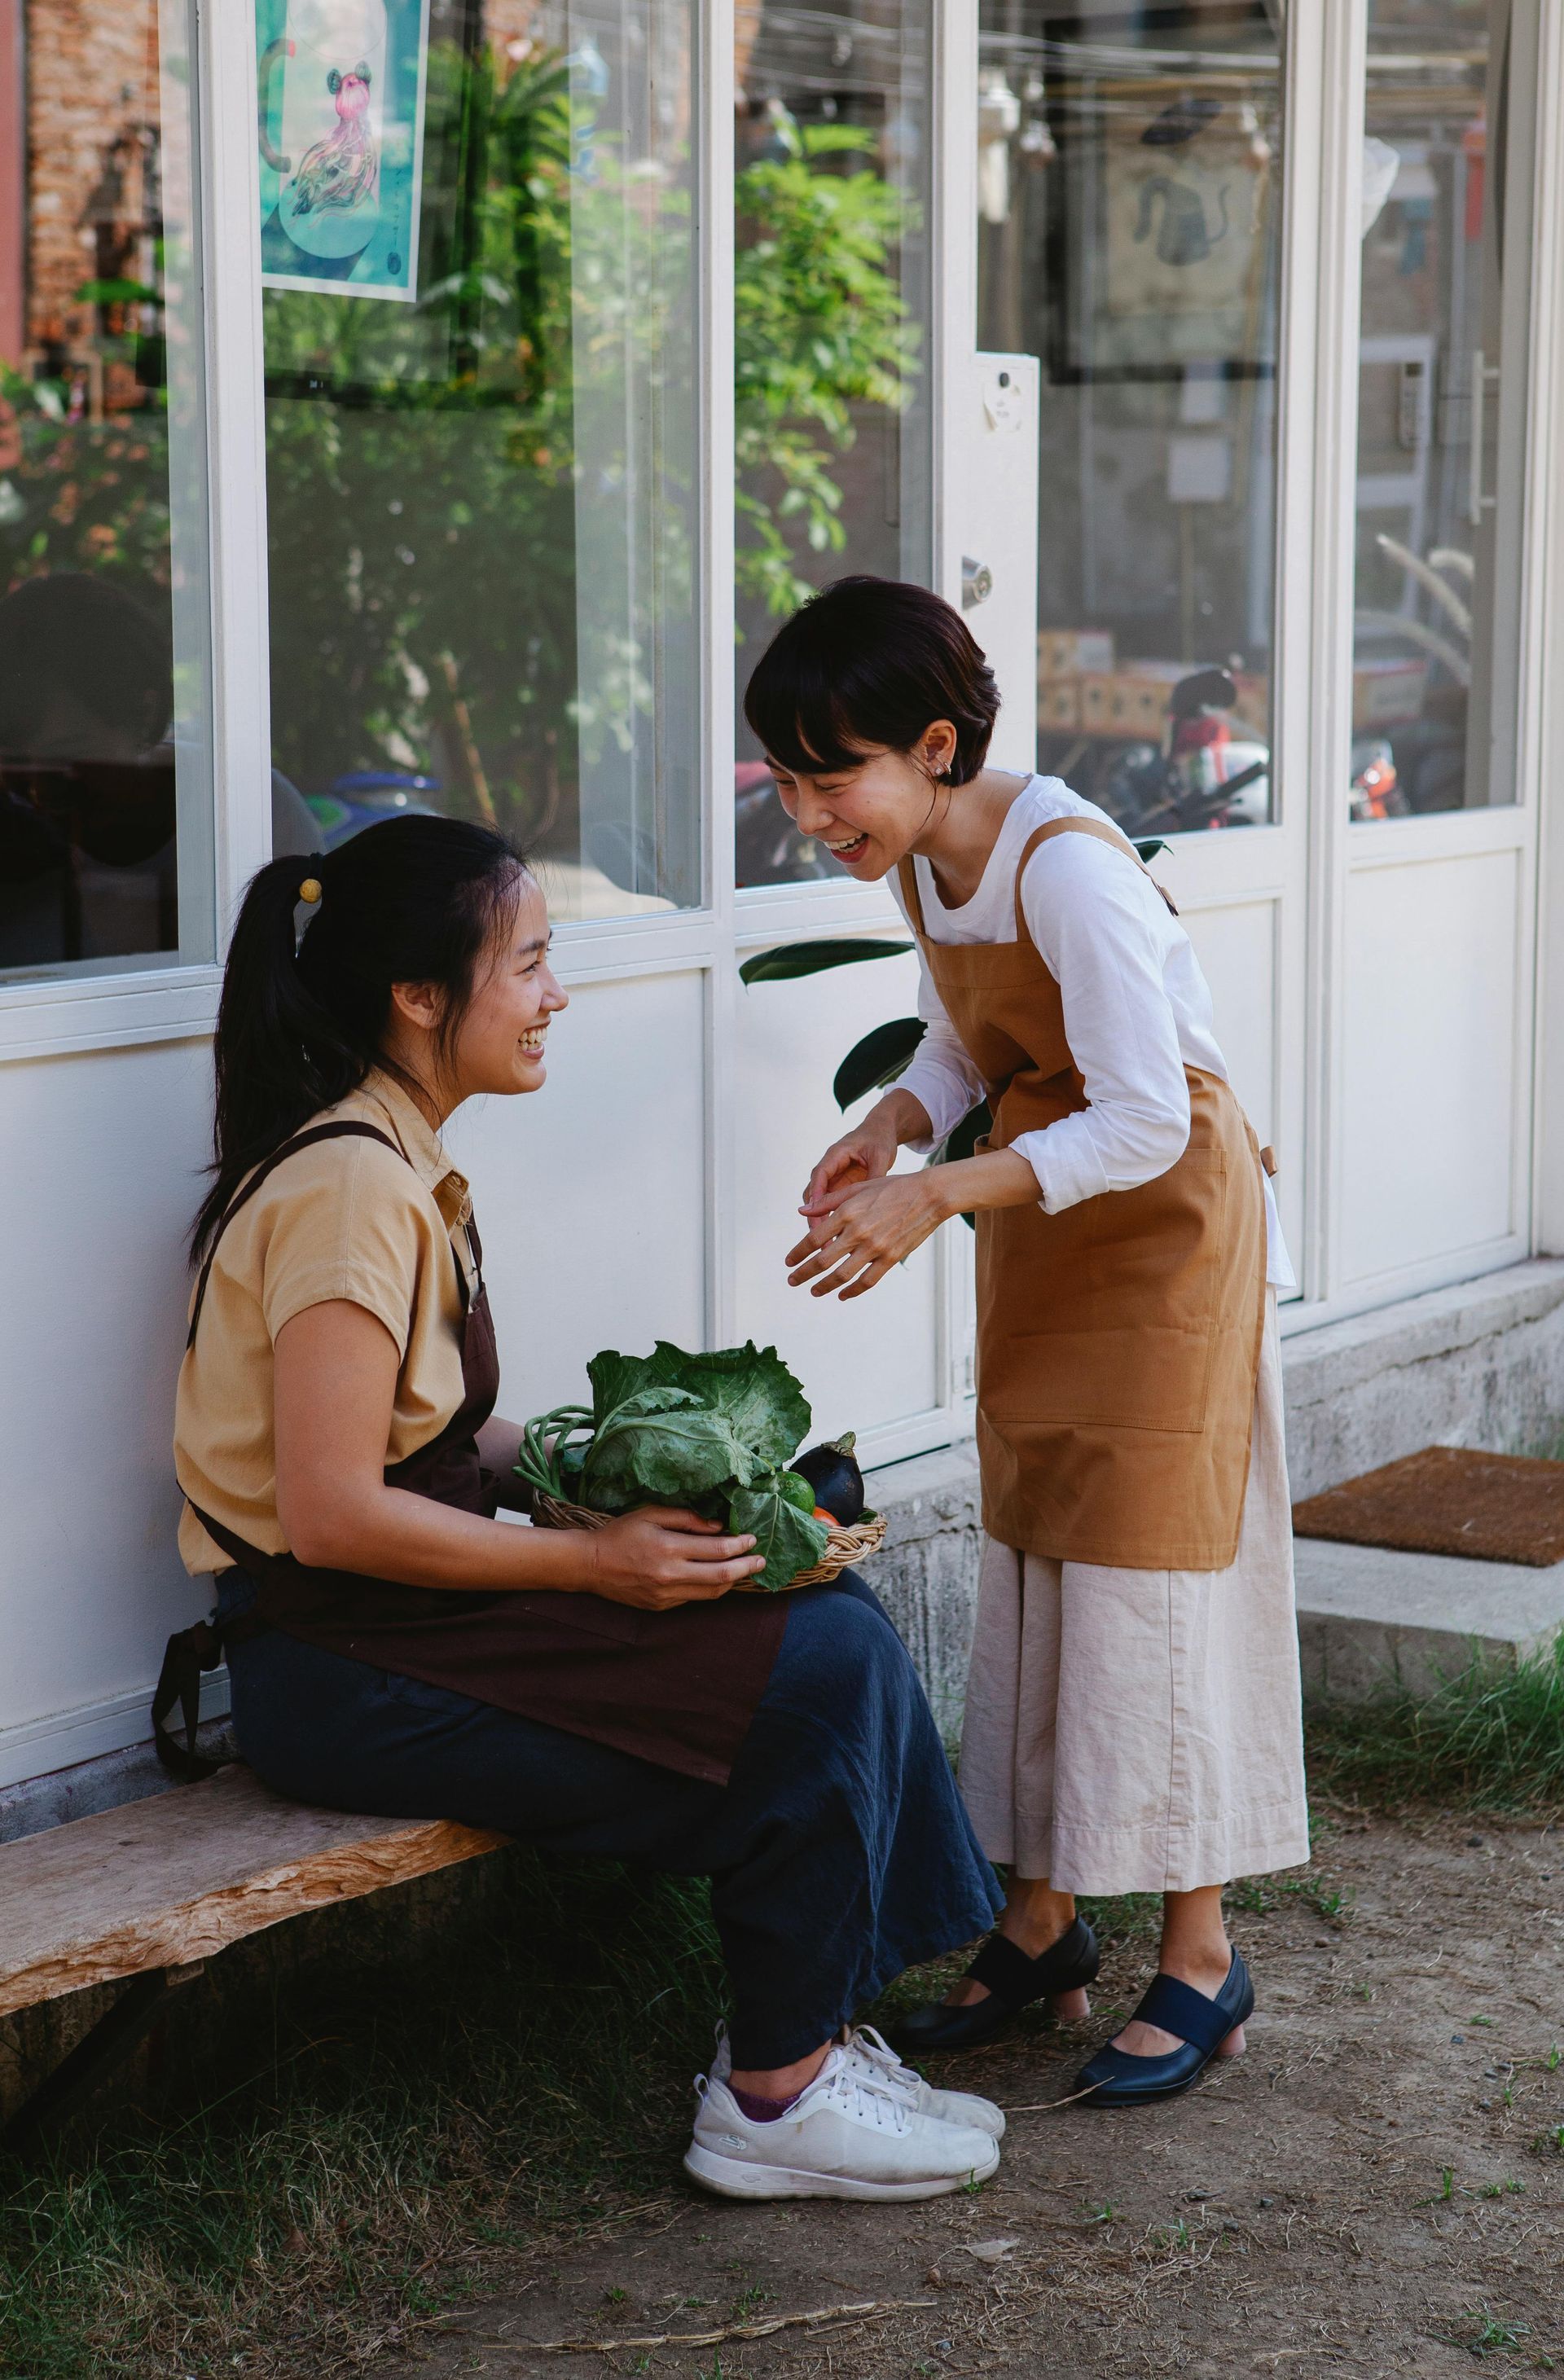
(393, 1648)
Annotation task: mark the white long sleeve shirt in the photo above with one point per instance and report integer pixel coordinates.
(1136, 1008)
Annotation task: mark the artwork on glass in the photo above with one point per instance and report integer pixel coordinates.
(1170, 253)
(341, 109)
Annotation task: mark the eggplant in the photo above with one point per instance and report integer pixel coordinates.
(835, 1478)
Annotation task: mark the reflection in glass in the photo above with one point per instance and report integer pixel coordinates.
(831, 166)
(1129, 225)
(1433, 624)
(106, 810)
(481, 468)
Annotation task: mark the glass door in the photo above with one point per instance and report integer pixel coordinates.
(1441, 415)
(1130, 236)
(1435, 1009)
(830, 320)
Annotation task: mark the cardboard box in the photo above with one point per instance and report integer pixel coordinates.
(1387, 692)
(1059, 704)
(1072, 652)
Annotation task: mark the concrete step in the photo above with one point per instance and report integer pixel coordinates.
(1369, 1618)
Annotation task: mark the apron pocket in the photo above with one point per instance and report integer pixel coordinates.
(1126, 1302)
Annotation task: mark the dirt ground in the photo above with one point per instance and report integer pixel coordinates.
(1376, 2187)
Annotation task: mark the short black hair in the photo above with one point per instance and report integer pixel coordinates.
(871, 663)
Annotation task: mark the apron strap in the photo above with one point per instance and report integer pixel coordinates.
(270, 1165)
(1100, 831)
(907, 872)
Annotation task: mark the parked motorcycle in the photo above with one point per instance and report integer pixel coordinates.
(1203, 776)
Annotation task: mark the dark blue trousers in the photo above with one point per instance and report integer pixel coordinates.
(839, 1851)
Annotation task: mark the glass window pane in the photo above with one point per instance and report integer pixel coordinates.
(1129, 229)
(105, 778)
(831, 307)
(1440, 411)
(478, 251)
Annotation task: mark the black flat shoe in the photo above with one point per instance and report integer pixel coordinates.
(1117, 2080)
(1014, 1981)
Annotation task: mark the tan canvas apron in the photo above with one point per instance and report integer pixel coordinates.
(1118, 1341)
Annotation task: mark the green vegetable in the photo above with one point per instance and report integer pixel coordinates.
(534, 1462)
(664, 1443)
(751, 1385)
(789, 1538)
(708, 1432)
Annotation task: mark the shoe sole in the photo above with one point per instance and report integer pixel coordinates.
(733, 2177)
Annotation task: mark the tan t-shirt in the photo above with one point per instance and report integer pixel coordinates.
(346, 1218)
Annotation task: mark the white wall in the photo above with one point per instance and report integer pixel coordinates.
(92, 1289)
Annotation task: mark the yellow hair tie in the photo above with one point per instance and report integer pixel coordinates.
(309, 889)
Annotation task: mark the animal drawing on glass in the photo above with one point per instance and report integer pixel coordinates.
(341, 174)
(340, 128)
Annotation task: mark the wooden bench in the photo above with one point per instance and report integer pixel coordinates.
(144, 1895)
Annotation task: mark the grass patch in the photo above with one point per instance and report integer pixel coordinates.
(405, 2126)
(1491, 1738)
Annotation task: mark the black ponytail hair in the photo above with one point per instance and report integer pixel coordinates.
(413, 899)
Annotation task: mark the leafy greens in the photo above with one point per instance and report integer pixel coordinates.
(710, 1432)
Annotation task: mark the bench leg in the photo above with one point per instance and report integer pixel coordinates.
(96, 2054)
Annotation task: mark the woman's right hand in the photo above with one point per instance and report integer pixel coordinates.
(655, 1557)
(862, 1155)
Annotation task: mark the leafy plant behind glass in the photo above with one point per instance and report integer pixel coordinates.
(885, 1053)
(420, 459)
(819, 327)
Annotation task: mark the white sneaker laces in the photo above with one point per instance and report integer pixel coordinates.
(862, 2042)
(868, 2098)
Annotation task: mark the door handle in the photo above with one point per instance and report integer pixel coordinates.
(1477, 503)
(976, 583)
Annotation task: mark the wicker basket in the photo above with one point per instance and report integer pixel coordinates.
(843, 1546)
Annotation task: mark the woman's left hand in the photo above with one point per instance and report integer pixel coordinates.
(860, 1230)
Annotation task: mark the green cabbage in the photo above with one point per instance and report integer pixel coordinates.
(711, 1433)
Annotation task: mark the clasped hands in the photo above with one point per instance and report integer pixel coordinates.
(862, 1218)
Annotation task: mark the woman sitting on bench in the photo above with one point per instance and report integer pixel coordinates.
(395, 1648)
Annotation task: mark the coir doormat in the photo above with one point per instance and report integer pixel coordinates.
(1448, 1499)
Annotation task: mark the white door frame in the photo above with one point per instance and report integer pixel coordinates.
(1341, 853)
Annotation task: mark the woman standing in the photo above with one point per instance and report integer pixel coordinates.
(394, 1647)
(1133, 1711)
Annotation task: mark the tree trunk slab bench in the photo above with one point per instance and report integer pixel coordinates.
(146, 1893)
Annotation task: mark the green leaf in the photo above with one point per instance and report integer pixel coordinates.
(750, 1385)
(793, 959)
(878, 1059)
(614, 1379)
(1148, 851)
(664, 1444)
(788, 1539)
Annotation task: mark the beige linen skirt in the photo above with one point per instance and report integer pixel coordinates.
(1139, 1731)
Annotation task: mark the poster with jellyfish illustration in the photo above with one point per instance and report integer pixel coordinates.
(340, 121)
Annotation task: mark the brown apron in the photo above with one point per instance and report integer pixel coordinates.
(1119, 1341)
(678, 1687)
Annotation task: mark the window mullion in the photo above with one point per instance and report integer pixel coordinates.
(229, 250)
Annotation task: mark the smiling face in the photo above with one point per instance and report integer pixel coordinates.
(500, 1043)
(871, 815)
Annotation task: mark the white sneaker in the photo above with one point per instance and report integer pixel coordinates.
(849, 2135)
(871, 2054)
